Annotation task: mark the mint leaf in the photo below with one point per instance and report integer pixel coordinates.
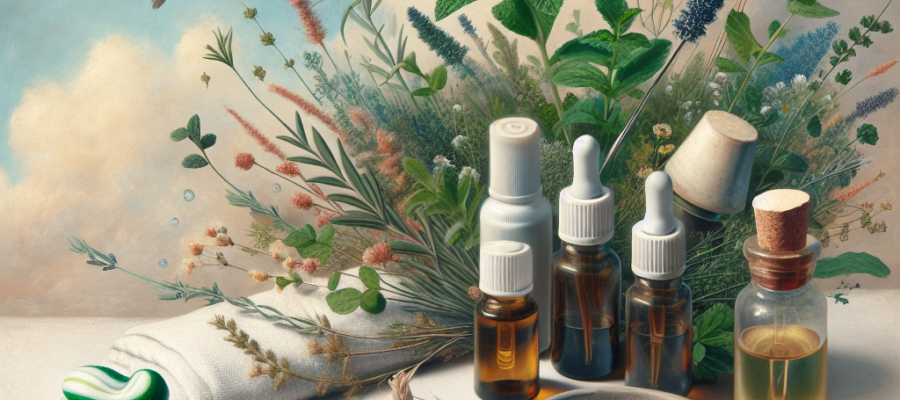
(737, 26)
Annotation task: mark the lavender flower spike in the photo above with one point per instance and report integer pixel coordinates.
(691, 25)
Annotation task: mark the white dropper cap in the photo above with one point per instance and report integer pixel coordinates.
(658, 241)
(586, 209)
(515, 160)
(506, 269)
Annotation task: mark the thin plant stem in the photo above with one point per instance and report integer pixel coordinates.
(762, 53)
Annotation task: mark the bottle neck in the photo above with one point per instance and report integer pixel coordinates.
(782, 270)
(586, 253)
(663, 286)
(521, 199)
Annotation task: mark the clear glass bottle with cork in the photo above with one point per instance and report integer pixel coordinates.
(506, 325)
(588, 274)
(781, 347)
(516, 210)
(658, 351)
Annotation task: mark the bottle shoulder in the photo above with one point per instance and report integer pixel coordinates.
(506, 309)
(496, 209)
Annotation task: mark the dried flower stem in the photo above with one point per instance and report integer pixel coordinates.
(304, 188)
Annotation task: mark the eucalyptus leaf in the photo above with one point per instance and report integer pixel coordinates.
(344, 301)
(851, 263)
(208, 140)
(179, 134)
(369, 277)
(328, 180)
(404, 247)
(373, 302)
(334, 281)
(194, 161)
(814, 127)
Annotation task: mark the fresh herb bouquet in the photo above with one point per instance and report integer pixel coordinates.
(403, 181)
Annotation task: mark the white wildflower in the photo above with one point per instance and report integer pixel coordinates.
(714, 85)
(721, 77)
(441, 162)
(828, 98)
(798, 80)
(688, 117)
(780, 86)
(469, 171)
(458, 140)
(764, 110)
(669, 89)
(457, 108)
(716, 102)
(717, 95)
(687, 105)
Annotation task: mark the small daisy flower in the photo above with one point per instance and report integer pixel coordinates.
(457, 108)
(669, 90)
(441, 162)
(721, 77)
(798, 80)
(780, 86)
(688, 117)
(714, 85)
(662, 130)
(687, 105)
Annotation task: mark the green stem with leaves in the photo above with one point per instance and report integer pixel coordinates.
(762, 53)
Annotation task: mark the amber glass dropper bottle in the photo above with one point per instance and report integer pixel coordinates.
(506, 325)
(588, 274)
(781, 347)
(658, 305)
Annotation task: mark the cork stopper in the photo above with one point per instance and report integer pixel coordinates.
(781, 219)
(782, 255)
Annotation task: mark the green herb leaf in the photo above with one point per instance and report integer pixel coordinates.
(791, 162)
(422, 92)
(301, 237)
(194, 161)
(772, 178)
(719, 360)
(729, 65)
(737, 26)
(283, 282)
(702, 373)
(867, 134)
(344, 301)
(844, 77)
(593, 47)
(193, 128)
(419, 172)
(373, 302)
(438, 78)
(839, 298)
(328, 180)
(851, 263)
(325, 235)
(325, 153)
(698, 353)
(773, 27)
(768, 58)
(179, 134)
(581, 74)
(369, 277)
(444, 8)
(813, 10)
(347, 12)
(334, 281)
(519, 16)
(316, 250)
(814, 127)
(644, 63)
(208, 140)
(403, 247)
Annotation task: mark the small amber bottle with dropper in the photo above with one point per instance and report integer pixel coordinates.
(658, 305)
(587, 275)
(506, 331)
(780, 344)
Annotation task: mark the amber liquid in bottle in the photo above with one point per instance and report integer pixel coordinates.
(506, 348)
(586, 292)
(787, 363)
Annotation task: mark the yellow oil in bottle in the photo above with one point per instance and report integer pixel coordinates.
(787, 362)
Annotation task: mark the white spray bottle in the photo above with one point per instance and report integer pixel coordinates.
(516, 210)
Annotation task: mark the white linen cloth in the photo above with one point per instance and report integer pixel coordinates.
(198, 364)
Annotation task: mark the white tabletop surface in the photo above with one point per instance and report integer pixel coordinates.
(863, 358)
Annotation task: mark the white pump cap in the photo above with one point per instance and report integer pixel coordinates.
(515, 156)
(586, 209)
(658, 241)
(506, 269)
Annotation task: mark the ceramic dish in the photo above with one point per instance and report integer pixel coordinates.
(615, 392)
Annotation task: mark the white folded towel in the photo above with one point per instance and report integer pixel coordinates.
(198, 364)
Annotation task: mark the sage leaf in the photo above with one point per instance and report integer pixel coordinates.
(179, 134)
(851, 263)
